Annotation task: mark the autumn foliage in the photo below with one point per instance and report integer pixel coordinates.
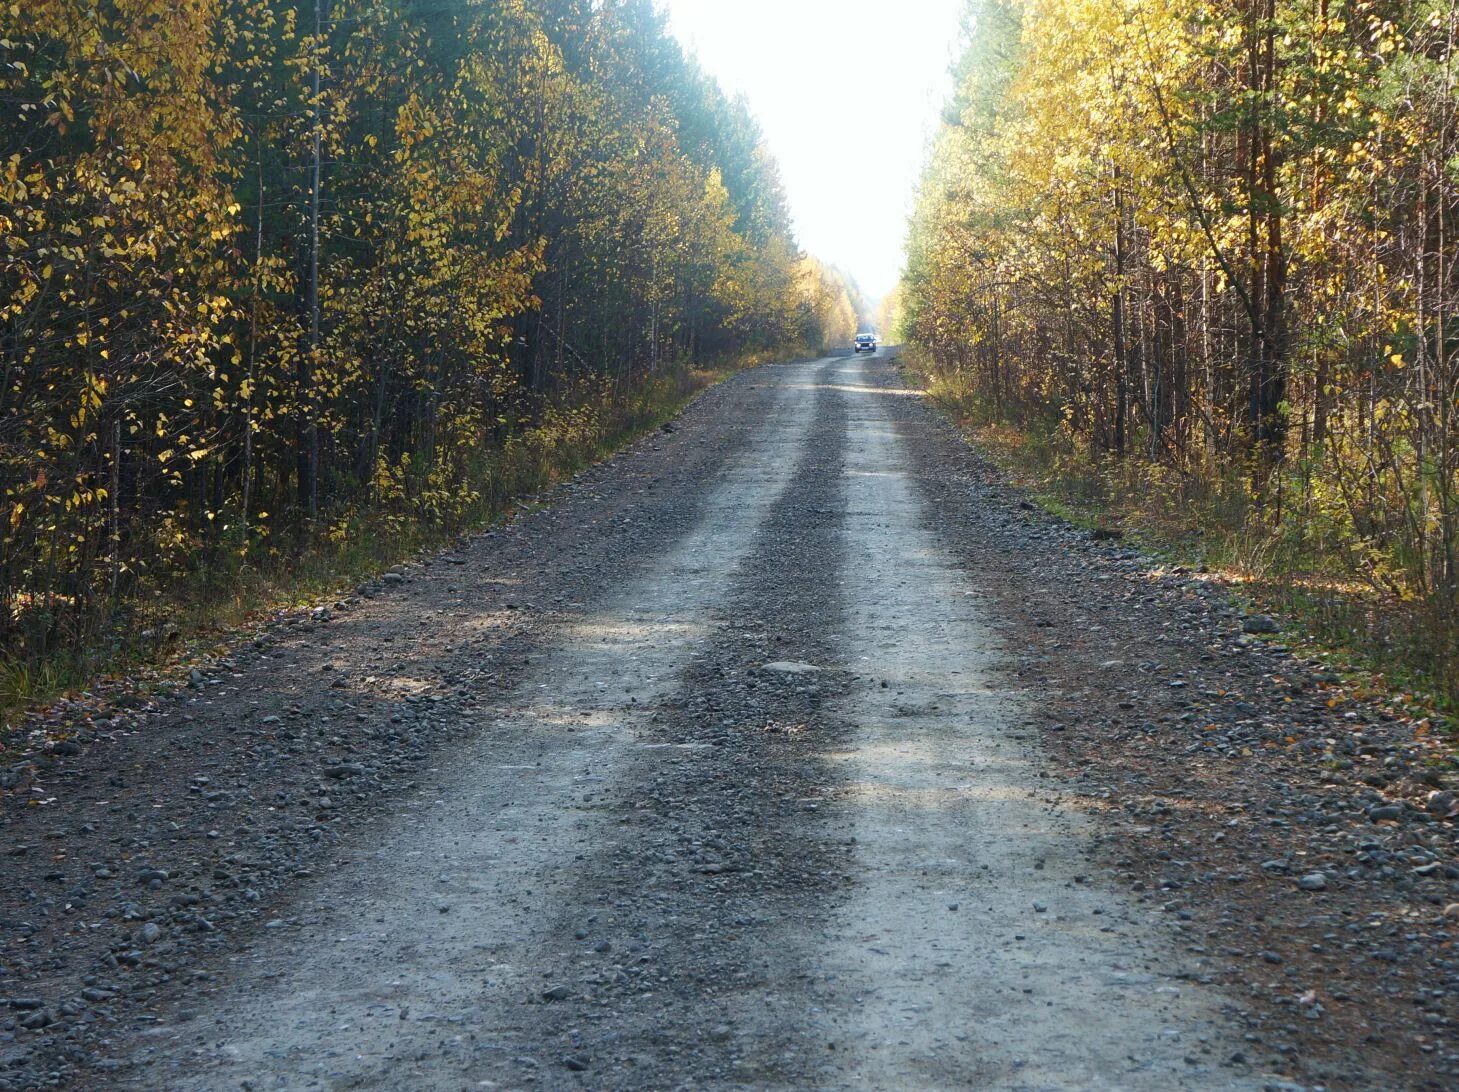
(270, 266)
(1216, 241)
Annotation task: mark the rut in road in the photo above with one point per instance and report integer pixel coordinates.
(659, 864)
(981, 954)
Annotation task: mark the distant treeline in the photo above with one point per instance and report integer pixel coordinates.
(269, 265)
(1219, 240)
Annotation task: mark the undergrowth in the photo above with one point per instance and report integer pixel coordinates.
(176, 622)
(1289, 564)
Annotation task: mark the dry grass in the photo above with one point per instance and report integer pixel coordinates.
(1401, 643)
(200, 612)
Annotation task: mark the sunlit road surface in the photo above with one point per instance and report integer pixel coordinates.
(761, 816)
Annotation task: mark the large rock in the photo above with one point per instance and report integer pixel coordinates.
(791, 667)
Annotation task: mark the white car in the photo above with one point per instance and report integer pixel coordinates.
(865, 343)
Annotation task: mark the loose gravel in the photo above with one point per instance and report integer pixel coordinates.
(789, 748)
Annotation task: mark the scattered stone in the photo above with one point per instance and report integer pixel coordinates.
(1236, 719)
(1260, 624)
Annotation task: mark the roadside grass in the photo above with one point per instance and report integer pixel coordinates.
(1383, 643)
(210, 604)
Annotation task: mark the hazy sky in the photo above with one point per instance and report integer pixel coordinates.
(848, 93)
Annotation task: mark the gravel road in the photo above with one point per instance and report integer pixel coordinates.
(789, 748)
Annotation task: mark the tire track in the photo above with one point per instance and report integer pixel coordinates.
(975, 953)
(409, 968)
(673, 951)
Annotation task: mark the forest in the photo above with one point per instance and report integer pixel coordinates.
(1203, 253)
(283, 276)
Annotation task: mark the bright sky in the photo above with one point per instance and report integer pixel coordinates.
(848, 93)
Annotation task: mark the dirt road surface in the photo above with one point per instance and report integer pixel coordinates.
(788, 749)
